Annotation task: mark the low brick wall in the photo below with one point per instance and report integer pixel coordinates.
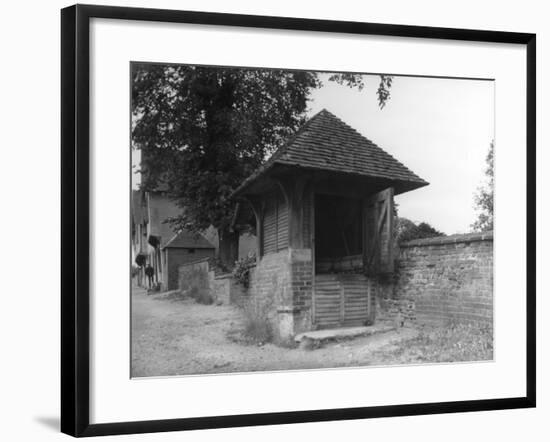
(281, 285)
(196, 278)
(200, 278)
(270, 286)
(447, 278)
(227, 291)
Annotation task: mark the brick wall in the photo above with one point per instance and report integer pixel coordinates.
(227, 290)
(281, 283)
(196, 277)
(270, 281)
(447, 278)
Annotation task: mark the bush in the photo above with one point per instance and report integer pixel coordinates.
(141, 260)
(241, 271)
(407, 230)
(257, 327)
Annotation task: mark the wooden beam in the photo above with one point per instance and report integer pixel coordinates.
(293, 188)
(258, 207)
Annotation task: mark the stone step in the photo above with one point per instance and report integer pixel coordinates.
(343, 333)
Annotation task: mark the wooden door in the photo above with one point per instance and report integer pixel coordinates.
(378, 237)
(342, 300)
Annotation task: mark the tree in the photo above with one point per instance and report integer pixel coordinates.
(203, 130)
(483, 199)
(407, 230)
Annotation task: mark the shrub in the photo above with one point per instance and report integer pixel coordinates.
(241, 271)
(407, 230)
(257, 327)
(141, 260)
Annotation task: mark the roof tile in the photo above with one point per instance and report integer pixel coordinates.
(327, 143)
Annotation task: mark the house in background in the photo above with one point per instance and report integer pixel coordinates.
(247, 240)
(163, 248)
(182, 248)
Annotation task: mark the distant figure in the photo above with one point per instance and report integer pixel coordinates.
(149, 272)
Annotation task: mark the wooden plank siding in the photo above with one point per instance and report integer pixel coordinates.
(342, 300)
(275, 224)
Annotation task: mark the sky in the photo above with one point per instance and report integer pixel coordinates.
(439, 128)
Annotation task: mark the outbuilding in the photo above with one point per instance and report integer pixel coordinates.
(324, 212)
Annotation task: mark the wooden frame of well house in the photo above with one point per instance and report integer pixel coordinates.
(324, 210)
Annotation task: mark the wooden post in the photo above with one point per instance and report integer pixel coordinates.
(293, 191)
(258, 207)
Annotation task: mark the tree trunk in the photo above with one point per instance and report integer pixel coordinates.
(228, 248)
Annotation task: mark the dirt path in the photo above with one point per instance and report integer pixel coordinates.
(177, 337)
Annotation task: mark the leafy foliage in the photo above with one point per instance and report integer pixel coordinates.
(203, 130)
(241, 271)
(358, 81)
(407, 230)
(141, 259)
(484, 198)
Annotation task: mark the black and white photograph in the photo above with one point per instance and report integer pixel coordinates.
(296, 220)
(275, 221)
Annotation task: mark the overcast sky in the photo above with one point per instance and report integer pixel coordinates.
(439, 128)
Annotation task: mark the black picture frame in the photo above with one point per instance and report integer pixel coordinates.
(75, 212)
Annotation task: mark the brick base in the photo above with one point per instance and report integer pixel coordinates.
(282, 283)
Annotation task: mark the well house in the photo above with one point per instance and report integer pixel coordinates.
(324, 210)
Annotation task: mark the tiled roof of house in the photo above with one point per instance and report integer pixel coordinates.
(189, 240)
(327, 143)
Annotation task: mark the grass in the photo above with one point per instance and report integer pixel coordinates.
(257, 327)
(202, 296)
(454, 342)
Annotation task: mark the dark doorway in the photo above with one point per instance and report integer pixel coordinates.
(338, 228)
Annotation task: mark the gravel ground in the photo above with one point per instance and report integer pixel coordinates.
(174, 336)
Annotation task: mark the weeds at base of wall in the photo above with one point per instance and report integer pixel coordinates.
(460, 342)
(450, 342)
(257, 328)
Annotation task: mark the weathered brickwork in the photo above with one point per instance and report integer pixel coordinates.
(196, 277)
(269, 290)
(201, 277)
(227, 290)
(282, 283)
(447, 278)
(302, 288)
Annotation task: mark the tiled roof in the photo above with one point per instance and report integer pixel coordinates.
(189, 240)
(327, 143)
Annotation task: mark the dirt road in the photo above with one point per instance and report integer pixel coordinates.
(177, 337)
